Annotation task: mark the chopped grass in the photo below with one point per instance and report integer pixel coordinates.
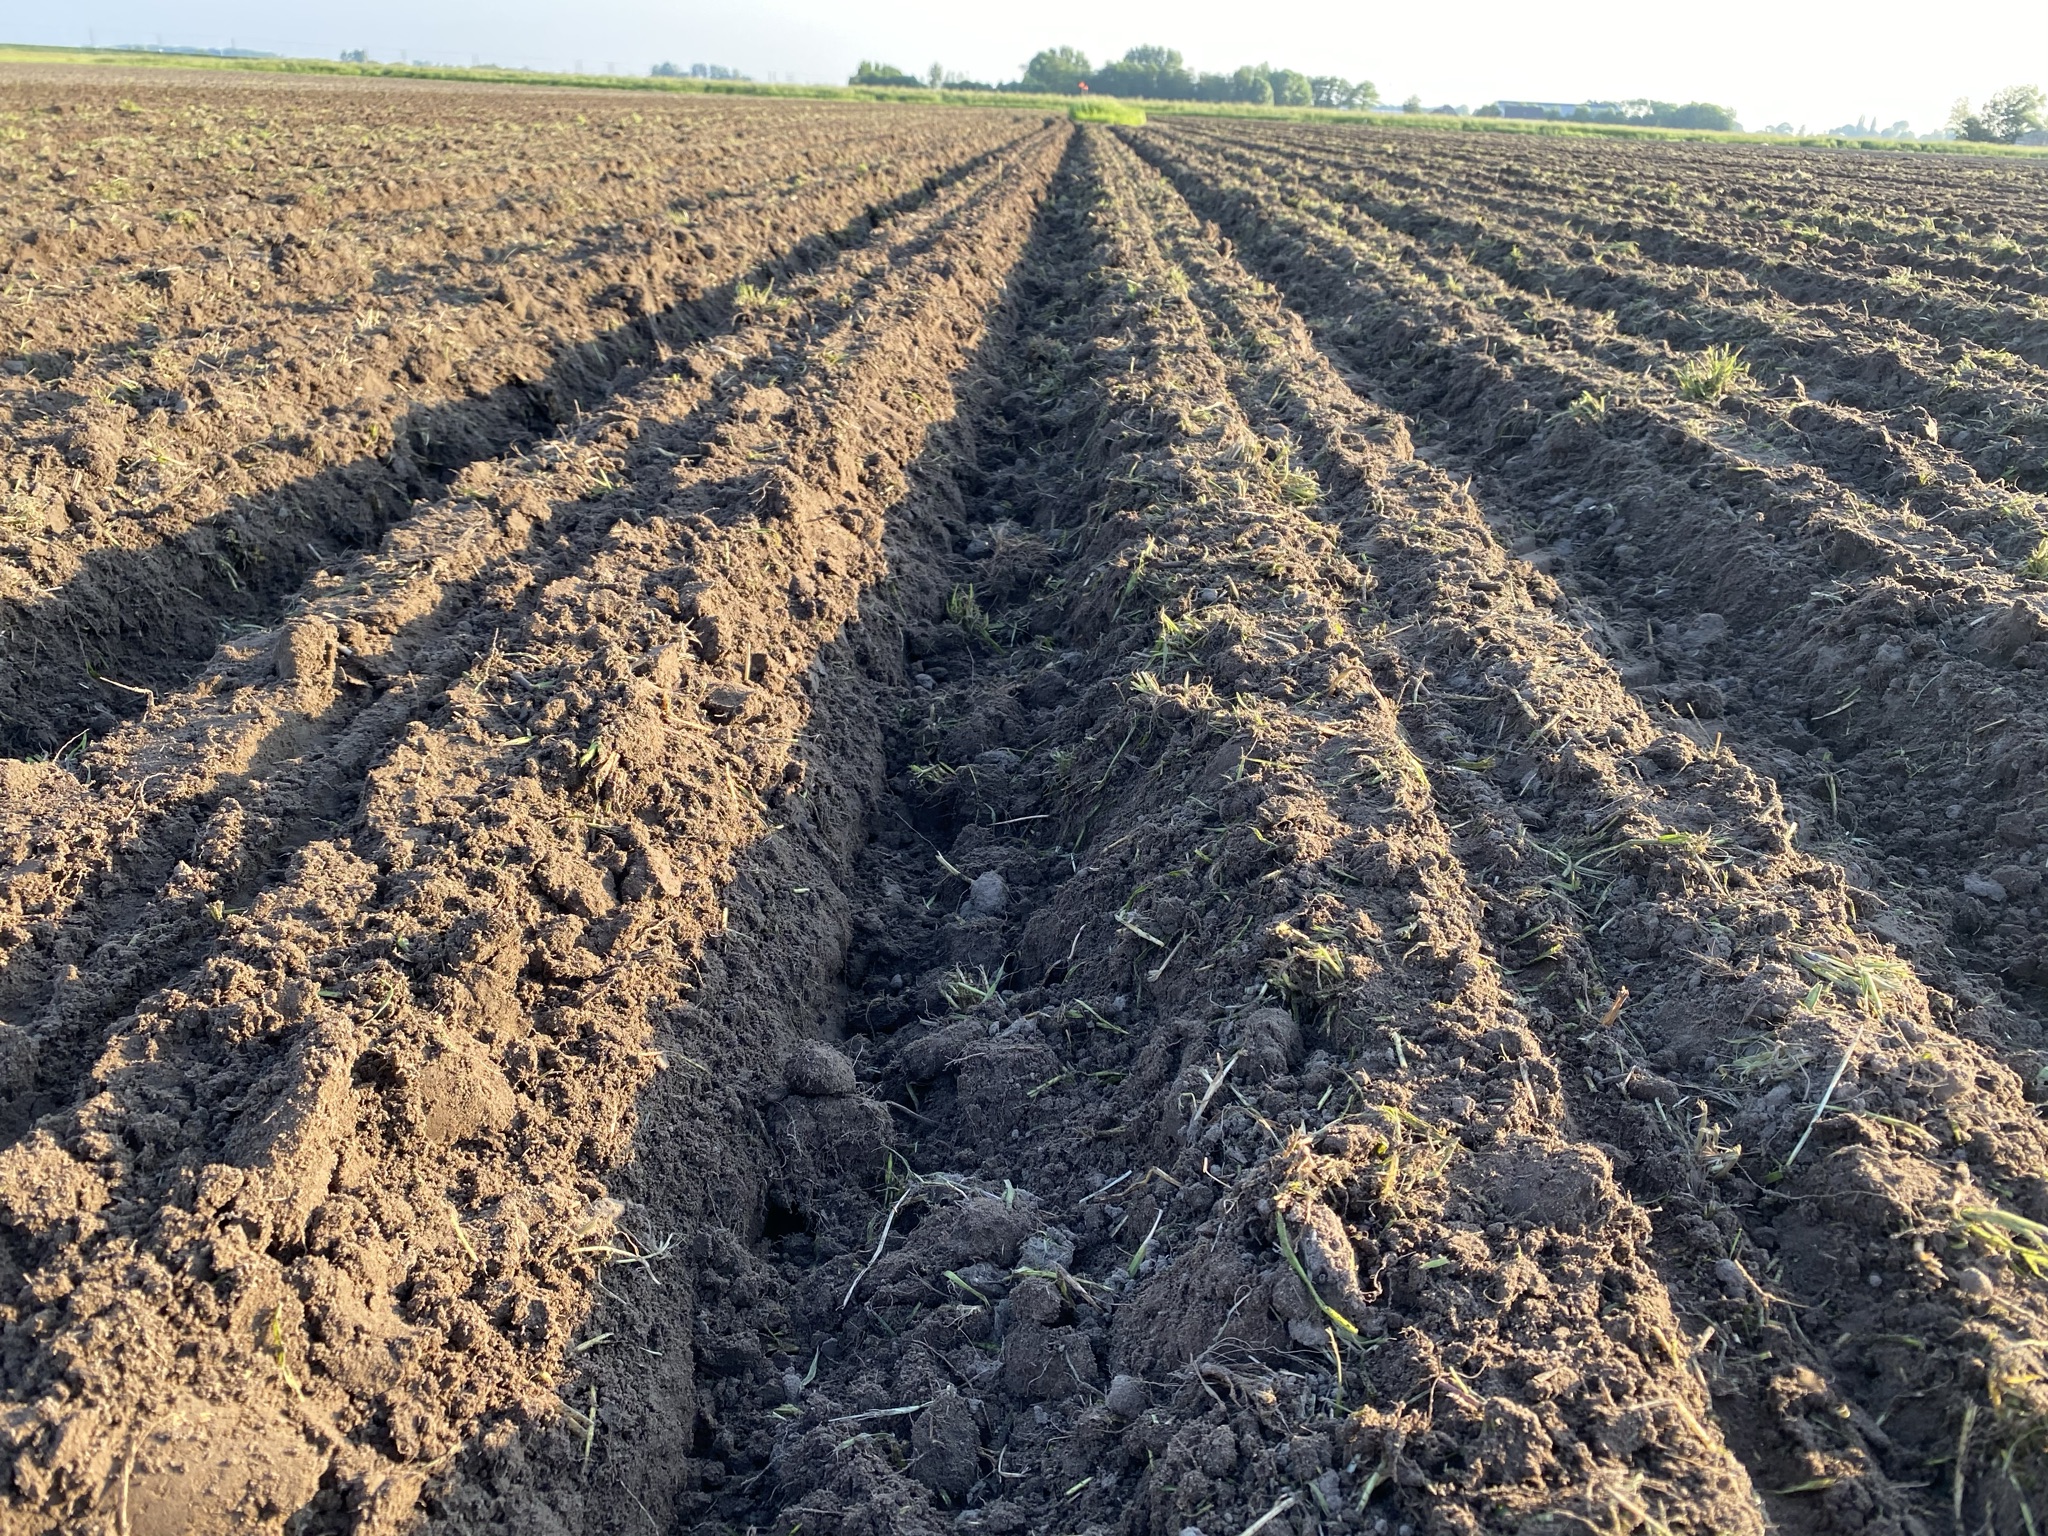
(2020, 1240)
(963, 992)
(1868, 978)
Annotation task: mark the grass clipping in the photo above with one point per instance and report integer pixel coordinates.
(1107, 112)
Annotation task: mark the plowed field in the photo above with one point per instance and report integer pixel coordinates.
(744, 816)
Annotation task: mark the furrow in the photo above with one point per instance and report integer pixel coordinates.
(1805, 221)
(339, 1189)
(1198, 983)
(1700, 976)
(1981, 401)
(218, 788)
(1900, 465)
(1863, 678)
(175, 491)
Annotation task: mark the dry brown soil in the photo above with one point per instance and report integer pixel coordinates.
(738, 816)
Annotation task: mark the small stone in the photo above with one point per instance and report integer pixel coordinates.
(726, 703)
(988, 895)
(1975, 1284)
(1051, 1249)
(1308, 1335)
(1874, 1280)
(979, 549)
(1127, 1396)
(1328, 1488)
(986, 1278)
(817, 1071)
(1983, 889)
(925, 680)
(1705, 629)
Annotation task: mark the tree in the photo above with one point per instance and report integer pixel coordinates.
(1658, 114)
(1157, 73)
(2016, 110)
(1333, 91)
(872, 73)
(1292, 89)
(1412, 104)
(935, 77)
(1696, 114)
(1057, 70)
(1250, 83)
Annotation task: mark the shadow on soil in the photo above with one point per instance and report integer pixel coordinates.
(134, 623)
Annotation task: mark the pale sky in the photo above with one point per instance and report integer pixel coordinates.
(1798, 61)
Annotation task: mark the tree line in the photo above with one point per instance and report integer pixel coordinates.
(1152, 73)
(1642, 111)
(1155, 74)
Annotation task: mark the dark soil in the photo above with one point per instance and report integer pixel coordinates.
(253, 330)
(969, 895)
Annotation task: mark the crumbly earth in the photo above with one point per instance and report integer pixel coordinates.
(969, 895)
(252, 324)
